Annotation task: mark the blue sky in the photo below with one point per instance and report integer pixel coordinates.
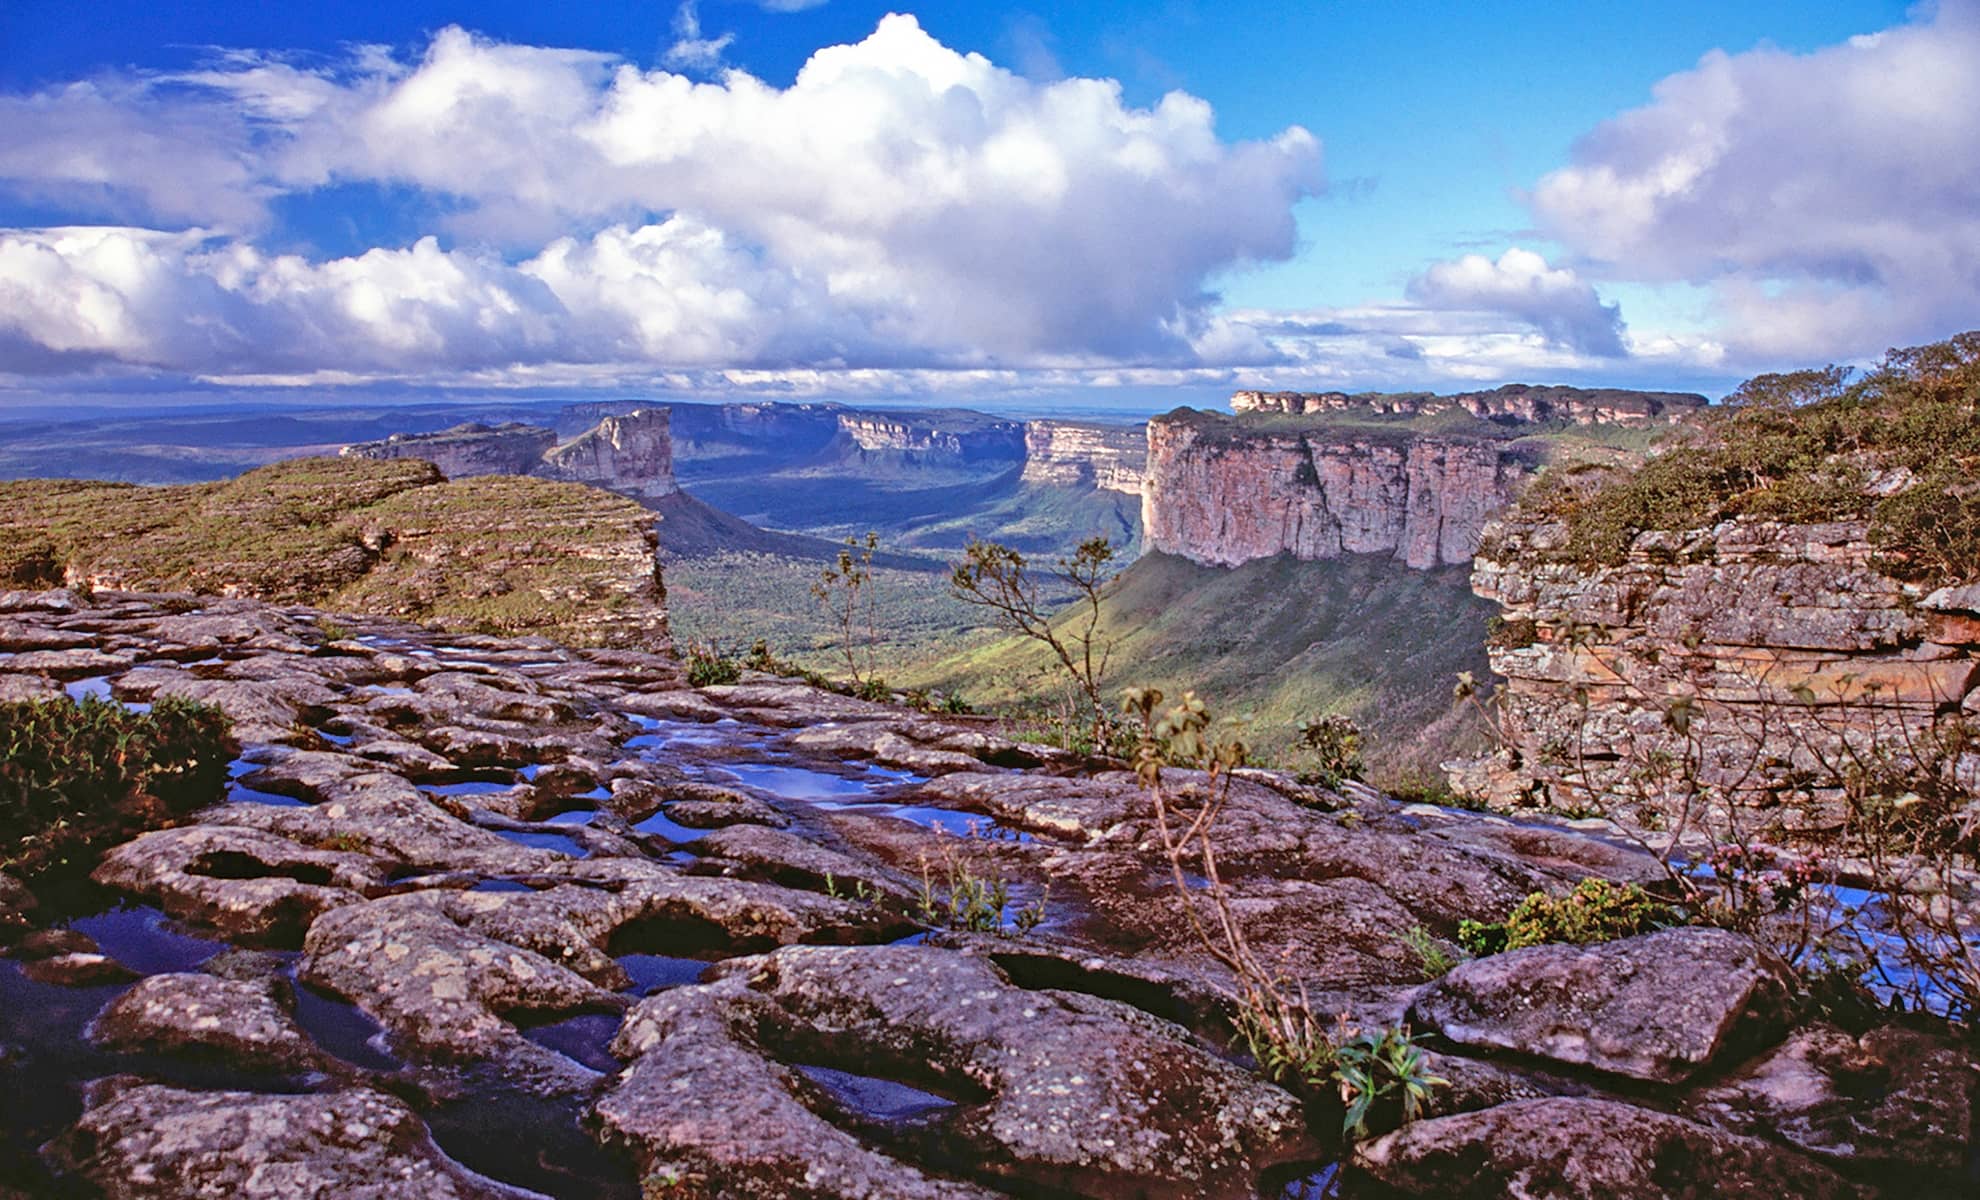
(974, 199)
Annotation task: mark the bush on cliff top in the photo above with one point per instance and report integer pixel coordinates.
(1899, 446)
(76, 776)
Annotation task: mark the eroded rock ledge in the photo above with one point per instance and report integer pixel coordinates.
(590, 926)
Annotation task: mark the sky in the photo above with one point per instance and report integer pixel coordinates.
(974, 202)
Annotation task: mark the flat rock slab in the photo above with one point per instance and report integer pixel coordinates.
(1659, 1007)
(1894, 1097)
(240, 1020)
(1580, 1149)
(162, 1143)
(1051, 1089)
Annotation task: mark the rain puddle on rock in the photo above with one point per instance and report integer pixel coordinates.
(557, 842)
(881, 1100)
(666, 827)
(1324, 1184)
(576, 816)
(501, 885)
(146, 940)
(531, 1142)
(585, 1038)
(652, 973)
(473, 787)
(341, 1028)
(809, 783)
(98, 687)
(240, 793)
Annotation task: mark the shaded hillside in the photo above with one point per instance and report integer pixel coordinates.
(1277, 641)
(493, 553)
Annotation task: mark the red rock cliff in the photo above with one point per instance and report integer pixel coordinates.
(1221, 493)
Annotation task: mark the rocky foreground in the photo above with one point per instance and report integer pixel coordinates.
(486, 917)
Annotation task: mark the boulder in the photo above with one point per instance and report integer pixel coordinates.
(1894, 1098)
(242, 1021)
(152, 1142)
(1657, 1007)
(1565, 1148)
(1055, 1090)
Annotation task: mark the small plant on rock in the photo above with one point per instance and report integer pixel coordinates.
(995, 577)
(1290, 1043)
(966, 901)
(1332, 745)
(1595, 911)
(1378, 1068)
(846, 590)
(709, 667)
(1431, 955)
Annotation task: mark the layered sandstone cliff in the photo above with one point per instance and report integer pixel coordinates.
(1109, 458)
(512, 448)
(1513, 402)
(928, 439)
(1221, 493)
(1771, 653)
(631, 453)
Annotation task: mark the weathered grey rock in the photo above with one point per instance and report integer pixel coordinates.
(442, 970)
(242, 881)
(153, 1142)
(70, 664)
(78, 968)
(240, 1020)
(1582, 1149)
(1894, 1098)
(1053, 1089)
(1658, 1007)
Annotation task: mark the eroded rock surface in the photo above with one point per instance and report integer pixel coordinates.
(1658, 1007)
(163, 1143)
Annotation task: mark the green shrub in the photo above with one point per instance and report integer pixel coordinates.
(1333, 747)
(76, 776)
(1595, 911)
(709, 667)
(1807, 447)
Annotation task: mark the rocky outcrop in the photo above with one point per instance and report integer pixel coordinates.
(629, 453)
(1111, 458)
(1659, 1007)
(1516, 402)
(1566, 1148)
(1220, 492)
(926, 439)
(1778, 640)
(512, 448)
(464, 857)
(152, 1142)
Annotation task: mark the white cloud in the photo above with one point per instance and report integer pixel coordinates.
(1552, 300)
(898, 203)
(691, 51)
(1832, 198)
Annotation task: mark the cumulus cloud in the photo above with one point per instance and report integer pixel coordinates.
(899, 203)
(1831, 198)
(1552, 300)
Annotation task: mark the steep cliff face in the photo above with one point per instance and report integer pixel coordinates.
(1513, 402)
(1221, 494)
(1110, 458)
(464, 450)
(1777, 641)
(632, 455)
(928, 441)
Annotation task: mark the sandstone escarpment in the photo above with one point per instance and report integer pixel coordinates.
(1513, 402)
(1110, 458)
(1779, 643)
(929, 441)
(470, 449)
(630, 453)
(1221, 493)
